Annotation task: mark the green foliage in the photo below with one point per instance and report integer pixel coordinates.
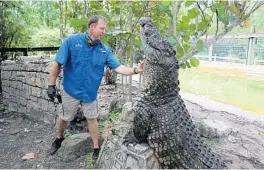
(183, 66)
(189, 3)
(194, 62)
(165, 3)
(67, 134)
(188, 64)
(25, 22)
(200, 46)
(45, 37)
(90, 161)
(110, 120)
(78, 24)
(172, 40)
(193, 13)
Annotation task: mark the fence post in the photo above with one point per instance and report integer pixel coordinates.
(210, 51)
(250, 51)
(25, 52)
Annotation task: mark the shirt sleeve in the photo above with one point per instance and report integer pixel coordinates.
(63, 54)
(111, 61)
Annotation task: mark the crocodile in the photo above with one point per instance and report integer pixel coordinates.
(161, 117)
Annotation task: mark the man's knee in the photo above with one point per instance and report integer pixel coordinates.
(91, 120)
(67, 118)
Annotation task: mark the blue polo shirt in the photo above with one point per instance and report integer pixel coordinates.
(83, 66)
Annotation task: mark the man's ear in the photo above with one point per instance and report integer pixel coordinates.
(92, 26)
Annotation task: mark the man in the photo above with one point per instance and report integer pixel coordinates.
(83, 57)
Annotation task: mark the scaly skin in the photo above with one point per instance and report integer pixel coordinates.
(162, 119)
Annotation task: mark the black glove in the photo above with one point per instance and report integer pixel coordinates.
(51, 91)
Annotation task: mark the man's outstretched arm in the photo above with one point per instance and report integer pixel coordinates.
(128, 71)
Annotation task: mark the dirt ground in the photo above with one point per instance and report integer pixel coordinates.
(20, 134)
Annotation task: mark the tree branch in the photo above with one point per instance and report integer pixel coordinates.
(217, 22)
(193, 51)
(201, 10)
(141, 14)
(172, 23)
(178, 6)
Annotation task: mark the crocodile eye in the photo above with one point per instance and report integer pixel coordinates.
(143, 25)
(147, 34)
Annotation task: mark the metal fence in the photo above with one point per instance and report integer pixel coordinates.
(244, 49)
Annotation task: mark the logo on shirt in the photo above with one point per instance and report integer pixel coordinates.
(102, 50)
(78, 46)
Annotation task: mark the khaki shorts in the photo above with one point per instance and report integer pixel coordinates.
(70, 106)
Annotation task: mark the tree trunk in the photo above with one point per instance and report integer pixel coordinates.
(61, 20)
(131, 48)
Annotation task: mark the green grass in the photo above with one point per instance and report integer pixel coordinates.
(226, 86)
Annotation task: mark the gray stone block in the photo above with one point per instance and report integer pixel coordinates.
(6, 101)
(127, 113)
(51, 107)
(12, 98)
(75, 146)
(33, 105)
(36, 91)
(13, 84)
(41, 80)
(114, 155)
(44, 94)
(116, 105)
(13, 75)
(19, 86)
(28, 90)
(49, 118)
(5, 83)
(213, 128)
(43, 104)
(33, 98)
(22, 101)
(12, 107)
(5, 95)
(22, 109)
(31, 78)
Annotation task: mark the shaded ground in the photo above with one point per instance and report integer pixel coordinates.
(20, 135)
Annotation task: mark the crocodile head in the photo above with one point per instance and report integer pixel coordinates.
(161, 65)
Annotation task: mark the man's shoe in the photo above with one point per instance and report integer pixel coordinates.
(56, 145)
(96, 154)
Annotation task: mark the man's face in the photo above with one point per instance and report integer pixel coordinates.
(98, 30)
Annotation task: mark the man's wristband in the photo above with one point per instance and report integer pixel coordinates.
(135, 71)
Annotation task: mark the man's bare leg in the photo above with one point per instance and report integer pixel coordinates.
(62, 124)
(93, 129)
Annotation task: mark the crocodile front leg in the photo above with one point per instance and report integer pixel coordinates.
(140, 129)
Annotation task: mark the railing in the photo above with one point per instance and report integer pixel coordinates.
(26, 50)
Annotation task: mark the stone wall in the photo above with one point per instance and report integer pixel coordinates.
(24, 85)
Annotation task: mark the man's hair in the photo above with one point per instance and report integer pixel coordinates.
(95, 19)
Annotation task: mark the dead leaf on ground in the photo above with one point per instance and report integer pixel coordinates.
(27, 156)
